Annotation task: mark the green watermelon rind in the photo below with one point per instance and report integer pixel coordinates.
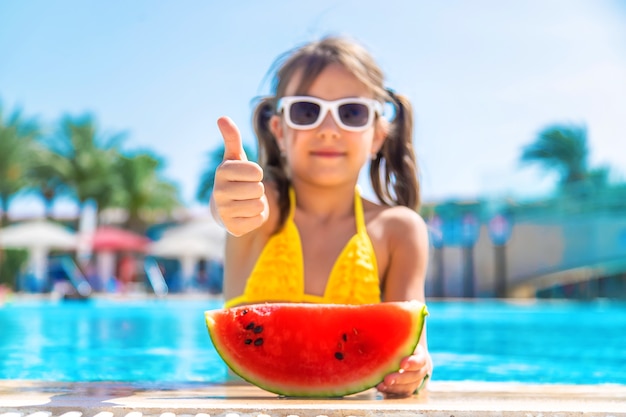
(355, 387)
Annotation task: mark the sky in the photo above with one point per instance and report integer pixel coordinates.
(484, 76)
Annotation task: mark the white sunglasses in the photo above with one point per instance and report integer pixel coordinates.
(354, 114)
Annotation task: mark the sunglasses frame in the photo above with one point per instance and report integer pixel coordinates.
(284, 105)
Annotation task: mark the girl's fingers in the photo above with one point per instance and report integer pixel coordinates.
(403, 382)
(413, 363)
(402, 390)
(404, 378)
(396, 390)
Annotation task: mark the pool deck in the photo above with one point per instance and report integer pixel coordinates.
(443, 399)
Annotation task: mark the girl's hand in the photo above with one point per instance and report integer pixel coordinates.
(238, 198)
(413, 373)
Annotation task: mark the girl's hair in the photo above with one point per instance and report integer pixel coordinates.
(393, 170)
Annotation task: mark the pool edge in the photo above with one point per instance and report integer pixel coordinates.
(443, 399)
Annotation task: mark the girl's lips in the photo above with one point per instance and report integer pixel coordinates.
(327, 154)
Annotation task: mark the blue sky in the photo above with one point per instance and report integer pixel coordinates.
(484, 76)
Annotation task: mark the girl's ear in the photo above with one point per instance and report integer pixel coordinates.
(380, 135)
(276, 128)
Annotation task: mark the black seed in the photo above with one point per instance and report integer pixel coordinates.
(258, 342)
(250, 326)
(258, 329)
(247, 341)
(344, 337)
(244, 312)
(339, 355)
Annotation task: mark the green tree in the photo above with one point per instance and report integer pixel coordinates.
(564, 149)
(16, 140)
(88, 164)
(142, 192)
(48, 175)
(560, 148)
(214, 159)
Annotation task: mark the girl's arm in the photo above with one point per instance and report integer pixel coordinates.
(242, 252)
(405, 280)
(239, 202)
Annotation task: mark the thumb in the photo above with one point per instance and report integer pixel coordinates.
(233, 147)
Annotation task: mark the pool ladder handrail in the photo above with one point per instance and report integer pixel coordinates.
(76, 276)
(155, 277)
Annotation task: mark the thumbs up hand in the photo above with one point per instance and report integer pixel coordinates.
(238, 198)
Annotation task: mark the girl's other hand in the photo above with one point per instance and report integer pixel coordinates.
(412, 376)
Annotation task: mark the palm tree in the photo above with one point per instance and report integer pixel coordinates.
(560, 148)
(142, 192)
(214, 159)
(16, 141)
(48, 174)
(88, 163)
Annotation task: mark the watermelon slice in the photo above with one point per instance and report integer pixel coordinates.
(313, 350)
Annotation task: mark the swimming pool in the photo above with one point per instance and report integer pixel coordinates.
(158, 340)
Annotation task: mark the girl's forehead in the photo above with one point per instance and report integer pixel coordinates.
(333, 80)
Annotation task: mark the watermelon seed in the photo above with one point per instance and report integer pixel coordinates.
(258, 342)
(250, 326)
(258, 329)
(339, 355)
(244, 312)
(344, 337)
(247, 341)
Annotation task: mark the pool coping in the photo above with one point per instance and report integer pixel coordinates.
(443, 399)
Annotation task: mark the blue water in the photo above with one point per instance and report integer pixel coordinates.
(167, 341)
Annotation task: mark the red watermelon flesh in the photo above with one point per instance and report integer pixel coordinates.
(313, 350)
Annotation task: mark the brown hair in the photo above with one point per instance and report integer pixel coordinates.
(393, 171)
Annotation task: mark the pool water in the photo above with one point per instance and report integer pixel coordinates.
(167, 340)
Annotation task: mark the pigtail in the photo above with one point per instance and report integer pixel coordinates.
(270, 156)
(393, 171)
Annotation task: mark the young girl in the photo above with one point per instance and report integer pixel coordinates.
(299, 230)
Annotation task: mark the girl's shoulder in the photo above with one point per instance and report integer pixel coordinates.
(399, 235)
(399, 222)
(394, 215)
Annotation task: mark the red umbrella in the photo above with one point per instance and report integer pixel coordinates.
(113, 239)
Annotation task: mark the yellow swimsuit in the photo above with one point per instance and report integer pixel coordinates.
(278, 274)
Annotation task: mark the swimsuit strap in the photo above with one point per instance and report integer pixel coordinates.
(292, 203)
(358, 211)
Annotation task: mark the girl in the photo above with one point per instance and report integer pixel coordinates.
(299, 230)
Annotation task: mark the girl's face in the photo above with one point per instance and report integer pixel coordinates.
(328, 154)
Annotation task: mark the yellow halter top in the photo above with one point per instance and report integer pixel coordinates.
(278, 274)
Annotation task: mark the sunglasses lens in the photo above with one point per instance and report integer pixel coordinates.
(354, 114)
(304, 113)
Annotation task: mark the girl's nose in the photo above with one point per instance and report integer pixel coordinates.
(329, 125)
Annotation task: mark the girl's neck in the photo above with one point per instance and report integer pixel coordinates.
(324, 203)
